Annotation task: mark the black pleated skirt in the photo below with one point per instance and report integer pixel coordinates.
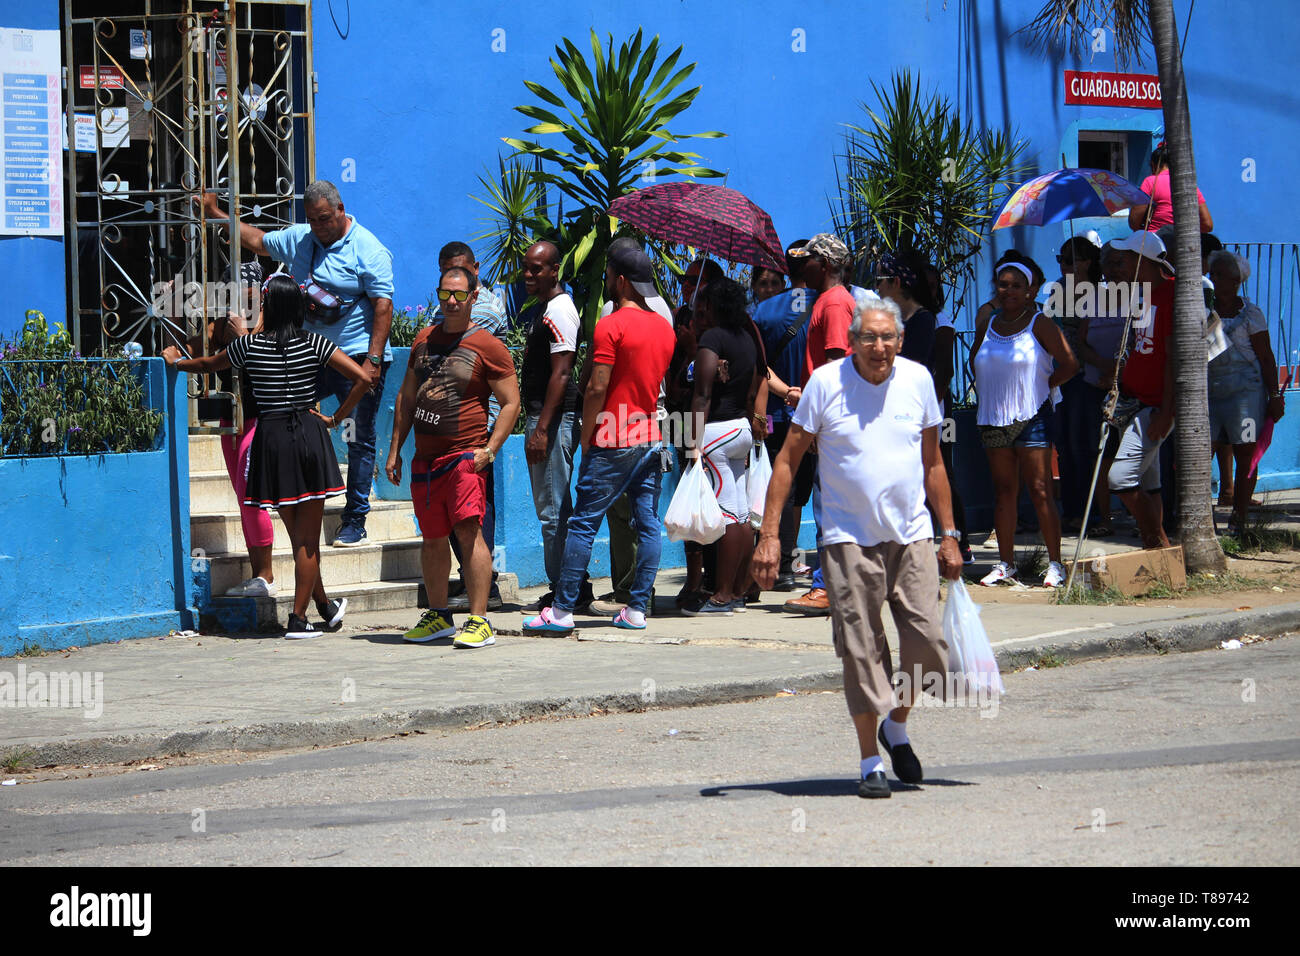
(291, 461)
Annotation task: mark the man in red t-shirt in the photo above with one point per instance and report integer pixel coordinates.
(1147, 389)
(825, 260)
(452, 370)
(621, 446)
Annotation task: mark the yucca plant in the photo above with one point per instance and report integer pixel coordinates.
(919, 177)
(618, 106)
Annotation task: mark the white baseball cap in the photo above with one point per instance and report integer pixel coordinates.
(1149, 246)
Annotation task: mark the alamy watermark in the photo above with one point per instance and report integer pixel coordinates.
(83, 690)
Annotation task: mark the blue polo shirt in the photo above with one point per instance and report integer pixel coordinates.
(773, 316)
(357, 268)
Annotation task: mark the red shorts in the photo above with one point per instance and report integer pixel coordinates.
(455, 493)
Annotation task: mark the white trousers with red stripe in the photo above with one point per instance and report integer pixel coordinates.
(726, 449)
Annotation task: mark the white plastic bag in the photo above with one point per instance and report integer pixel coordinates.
(970, 656)
(694, 514)
(760, 473)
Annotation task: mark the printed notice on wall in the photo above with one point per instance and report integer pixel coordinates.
(31, 163)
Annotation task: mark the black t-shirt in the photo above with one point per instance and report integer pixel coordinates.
(918, 338)
(548, 329)
(736, 347)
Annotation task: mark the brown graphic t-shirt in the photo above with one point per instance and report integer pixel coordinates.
(452, 372)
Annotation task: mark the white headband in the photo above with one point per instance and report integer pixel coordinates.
(1029, 276)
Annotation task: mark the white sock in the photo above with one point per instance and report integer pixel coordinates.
(564, 620)
(634, 617)
(895, 733)
(871, 764)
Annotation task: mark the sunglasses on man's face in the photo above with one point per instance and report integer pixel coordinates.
(460, 294)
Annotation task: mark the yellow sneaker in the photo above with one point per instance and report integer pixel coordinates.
(434, 625)
(477, 632)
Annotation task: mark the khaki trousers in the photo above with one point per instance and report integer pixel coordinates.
(859, 582)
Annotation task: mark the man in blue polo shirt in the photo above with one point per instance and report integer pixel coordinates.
(345, 258)
(782, 321)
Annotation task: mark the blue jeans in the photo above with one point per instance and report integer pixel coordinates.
(551, 495)
(605, 474)
(361, 450)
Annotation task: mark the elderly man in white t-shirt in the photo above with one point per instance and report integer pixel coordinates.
(876, 422)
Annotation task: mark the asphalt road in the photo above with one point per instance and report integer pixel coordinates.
(1182, 759)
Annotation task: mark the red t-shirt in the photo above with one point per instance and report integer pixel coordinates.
(1157, 187)
(1144, 372)
(828, 328)
(638, 345)
(452, 376)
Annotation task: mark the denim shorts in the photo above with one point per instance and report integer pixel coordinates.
(1034, 433)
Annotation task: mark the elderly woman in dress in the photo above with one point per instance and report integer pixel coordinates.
(1243, 385)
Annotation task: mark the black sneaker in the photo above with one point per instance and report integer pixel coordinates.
(874, 785)
(300, 630)
(906, 767)
(331, 614)
(461, 601)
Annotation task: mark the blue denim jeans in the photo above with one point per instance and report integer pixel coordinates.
(604, 475)
(361, 450)
(552, 496)
(818, 581)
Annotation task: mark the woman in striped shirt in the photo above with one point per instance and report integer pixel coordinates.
(292, 467)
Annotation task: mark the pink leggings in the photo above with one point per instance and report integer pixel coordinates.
(258, 531)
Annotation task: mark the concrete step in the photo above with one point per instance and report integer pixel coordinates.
(212, 493)
(220, 533)
(205, 454)
(386, 561)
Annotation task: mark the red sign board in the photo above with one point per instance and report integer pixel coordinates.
(1133, 90)
(110, 78)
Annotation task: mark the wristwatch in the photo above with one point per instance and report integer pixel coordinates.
(374, 359)
(950, 533)
(492, 456)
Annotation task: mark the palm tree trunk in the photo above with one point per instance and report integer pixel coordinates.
(1201, 549)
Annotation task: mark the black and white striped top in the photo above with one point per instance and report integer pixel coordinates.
(281, 380)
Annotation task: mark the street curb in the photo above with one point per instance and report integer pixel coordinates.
(1188, 635)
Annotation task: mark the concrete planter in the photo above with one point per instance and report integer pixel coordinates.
(96, 548)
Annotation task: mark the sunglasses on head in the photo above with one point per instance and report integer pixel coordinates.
(460, 294)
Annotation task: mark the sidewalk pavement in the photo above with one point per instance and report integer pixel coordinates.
(193, 694)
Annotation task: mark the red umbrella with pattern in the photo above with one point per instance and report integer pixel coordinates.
(713, 219)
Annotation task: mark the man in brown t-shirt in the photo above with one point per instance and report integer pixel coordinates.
(452, 370)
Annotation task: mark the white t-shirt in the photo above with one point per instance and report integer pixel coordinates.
(561, 318)
(869, 442)
(942, 320)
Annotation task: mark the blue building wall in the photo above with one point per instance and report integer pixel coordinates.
(96, 548)
(32, 268)
(418, 130)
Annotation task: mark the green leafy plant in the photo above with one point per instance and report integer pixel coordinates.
(918, 177)
(54, 402)
(617, 105)
(16, 761)
(1081, 595)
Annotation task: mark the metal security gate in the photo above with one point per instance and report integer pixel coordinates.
(169, 99)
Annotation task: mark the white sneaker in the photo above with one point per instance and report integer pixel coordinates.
(1002, 572)
(254, 587)
(1055, 576)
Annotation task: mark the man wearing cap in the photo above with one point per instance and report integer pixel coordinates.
(621, 443)
(825, 259)
(1146, 405)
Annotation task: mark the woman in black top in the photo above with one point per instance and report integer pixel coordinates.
(730, 381)
(902, 278)
(292, 467)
